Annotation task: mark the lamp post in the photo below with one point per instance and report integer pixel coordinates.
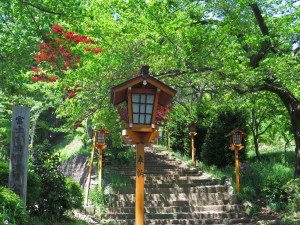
(100, 145)
(169, 141)
(142, 94)
(192, 133)
(90, 171)
(236, 145)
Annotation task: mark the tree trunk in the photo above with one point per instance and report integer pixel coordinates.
(292, 104)
(255, 137)
(295, 119)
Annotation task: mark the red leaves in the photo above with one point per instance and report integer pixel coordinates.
(78, 39)
(161, 114)
(58, 55)
(69, 35)
(57, 29)
(72, 93)
(97, 50)
(35, 69)
(58, 52)
(43, 78)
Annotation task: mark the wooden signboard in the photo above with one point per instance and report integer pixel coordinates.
(19, 151)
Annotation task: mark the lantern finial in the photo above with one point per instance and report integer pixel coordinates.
(145, 71)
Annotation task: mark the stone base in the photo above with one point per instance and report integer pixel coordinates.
(89, 209)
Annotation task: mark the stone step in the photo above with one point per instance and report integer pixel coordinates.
(180, 222)
(181, 183)
(178, 209)
(159, 171)
(159, 203)
(172, 182)
(177, 189)
(180, 215)
(193, 198)
(175, 193)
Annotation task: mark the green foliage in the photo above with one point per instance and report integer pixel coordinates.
(33, 183)
(289, 220)
(75, 194)
(215, 148)
(291, 195)
(270, 180)
(214, 171)
(122, 156)
(97, 198)
(12, 208)
(34, 220)
(55, 197)
(34, 188)
(178, 126)
(115, 181)
(4, 174)
(4, 127)
(272, 190)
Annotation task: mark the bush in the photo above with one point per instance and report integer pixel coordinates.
(53, 201)
(273, 191)
(251, 180)
(33, 183)
(215, 148)
(291, 195)
(75, 194)
(12, 208)
(4, 174)
(34, 188)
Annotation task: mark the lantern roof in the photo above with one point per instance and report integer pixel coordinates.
(119, 92)
(193, 124)
(236, 131)
(102, 130)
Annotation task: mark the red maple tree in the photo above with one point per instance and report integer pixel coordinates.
(57, 53)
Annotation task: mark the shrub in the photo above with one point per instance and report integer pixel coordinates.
(75, 194)
(34, 188)
(291, 195)
(4, 174)
(251, 179)
(215, 148)
(33, 183)
(273, 188)
(12, 208)
(53, 201)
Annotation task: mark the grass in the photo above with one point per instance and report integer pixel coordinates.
(64, 221)
(70, 146)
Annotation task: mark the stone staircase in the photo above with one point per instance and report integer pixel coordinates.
(174, 194)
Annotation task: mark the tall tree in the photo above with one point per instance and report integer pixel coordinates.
(248, 46)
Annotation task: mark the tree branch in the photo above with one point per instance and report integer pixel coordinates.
(205, 22)
(41, 8)
(174, 73)
(265, 45)
(259, 18)
(287, 98)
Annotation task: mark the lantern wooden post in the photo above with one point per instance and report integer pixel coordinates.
(100, 169)
(236, 145)
(169, 141)
(192, 133)
(143, 94)
(139, 188)
(237, 177)
(101, 137)
(90, 172)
